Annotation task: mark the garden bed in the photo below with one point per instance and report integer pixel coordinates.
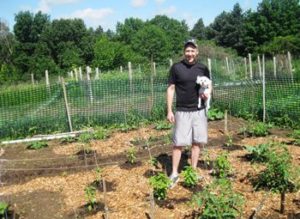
(51, 182)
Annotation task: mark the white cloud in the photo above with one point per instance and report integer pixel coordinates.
(93, 17)
(138, 3)
(160, 1)
(168, 11)
(46, 5)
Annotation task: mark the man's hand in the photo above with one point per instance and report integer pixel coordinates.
(204, 96)
(171, 117)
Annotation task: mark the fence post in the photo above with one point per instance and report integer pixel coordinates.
(66, 104)
(47, 81)
(264, 87)
(227, 65)
(250, 66)
(154, 69)
(259, 66)
(246, 67)
(88, 71)
(32, 78)
(80, 73)
(290, 66)
(274, 65)
(121, 69)
(171, 62)
(76, 74)
(97, 76)
(130, 76)
(209, 68)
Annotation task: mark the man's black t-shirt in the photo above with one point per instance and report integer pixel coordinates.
(184, 76)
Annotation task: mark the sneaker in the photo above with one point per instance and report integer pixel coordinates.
(174, 180)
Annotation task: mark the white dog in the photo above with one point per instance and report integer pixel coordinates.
(204, 83)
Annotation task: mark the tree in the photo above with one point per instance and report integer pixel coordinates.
(125, 32)
(152, 43)
(199, 30)
(176, 31)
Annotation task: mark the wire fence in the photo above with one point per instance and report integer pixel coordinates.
(123, 98)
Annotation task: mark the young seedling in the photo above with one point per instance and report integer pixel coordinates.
(160, 184)
(37, 145)
(90, 195)
(98, 172)
(189, 176)
(131, 155)
(229, 140)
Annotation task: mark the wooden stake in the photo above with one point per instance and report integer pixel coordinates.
(259, 66)
(90, 91)
(97, 75)
(209, 68)
(80, 74)
(225, 122)
(250, 66)
(121, 69)
(66, 104)
(290, 66)
(154, 69)
(32, 78)
(227, 65)
(274, 65)
(104, 194)
(246, 67)
(264, 88)
(130, 76)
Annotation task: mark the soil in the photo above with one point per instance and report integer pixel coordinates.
(50, 182)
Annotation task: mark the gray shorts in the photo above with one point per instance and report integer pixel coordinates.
(190, 127)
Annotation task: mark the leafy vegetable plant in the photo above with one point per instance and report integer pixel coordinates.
(190, 176)
(37, 145)
(90, 195)
(160, 184)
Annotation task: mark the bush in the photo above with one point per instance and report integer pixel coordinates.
(160, 183)
(190, 176)
(259, 153)
(222, 167)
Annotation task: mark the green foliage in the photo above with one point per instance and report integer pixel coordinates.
(98, 172)
(100, 133)
(218, 201)
(190, 176)
(90, 195)
(296, 136)
(257, 129)
(277, 175)
(131, 155)
(163, 125)
(259, 153)
(160, 184)
(85, 137)
(229, 140)
(68, 140)
(37, 145)
(3, 209)
(153, 162)
(215, 114)
(222, 166)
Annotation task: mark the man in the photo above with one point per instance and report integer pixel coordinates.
(190, 121)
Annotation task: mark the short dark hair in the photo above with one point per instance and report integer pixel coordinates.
(191, 42)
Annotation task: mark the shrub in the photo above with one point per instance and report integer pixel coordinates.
(259, 153)
(215, 114)
(257, 129)
(160, 184)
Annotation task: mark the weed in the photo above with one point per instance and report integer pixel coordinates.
(131, 155)
(218, 201)
(68, 140)
(259, 153)
(190, 176)
(100, 133)
(222, 165)
(85, 137)
(3, 209)
(215, 114)
(153, 162)
(163, 125)
(90, 195)
(160, 184)
(37, 145)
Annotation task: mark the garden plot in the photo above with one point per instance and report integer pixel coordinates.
(57, 181)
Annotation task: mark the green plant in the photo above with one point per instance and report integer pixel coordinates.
(160, 184)
(296, 136)
(229, 140)
(215, 114)
(163, 125)
(280, 175)
(259, 153)
(153, 162)
(3, 209)
(90, 195)
(85, 137)
(257, 129)
(131, 155)
(68, 140)
(98, 172)
(222, 167)
(100, 133)
(218, 201)
(189, 176)
(37, 145)
(206, 157)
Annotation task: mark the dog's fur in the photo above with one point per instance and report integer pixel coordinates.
(204, 83)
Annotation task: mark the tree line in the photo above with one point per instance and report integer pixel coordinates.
(36, 43)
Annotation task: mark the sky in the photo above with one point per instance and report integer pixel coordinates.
(108, 12)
